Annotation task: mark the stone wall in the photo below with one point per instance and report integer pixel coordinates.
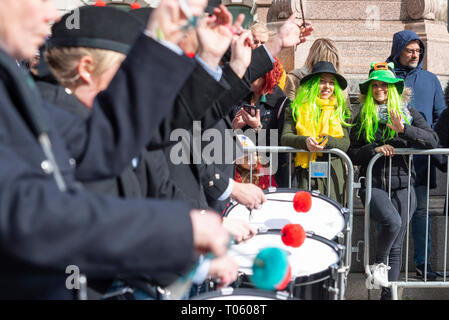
(364, 30)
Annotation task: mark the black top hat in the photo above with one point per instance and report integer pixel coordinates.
(96, 27)
(325, 67)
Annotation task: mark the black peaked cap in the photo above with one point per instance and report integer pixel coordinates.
(142, 14)
(99, 27)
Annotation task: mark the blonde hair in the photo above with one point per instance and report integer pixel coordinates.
(259, 27)
(63, 62)
(323, 49)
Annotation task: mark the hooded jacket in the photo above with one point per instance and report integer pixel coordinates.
(427, 93)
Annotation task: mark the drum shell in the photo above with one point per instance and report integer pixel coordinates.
(309, 287)
(344, 213)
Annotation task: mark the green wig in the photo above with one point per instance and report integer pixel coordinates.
(309, 92)
(368, 115)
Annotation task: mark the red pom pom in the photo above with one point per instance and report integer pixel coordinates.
(288, 277)
(293, 235)
(100, 3)
(302, 201)
(135, 6)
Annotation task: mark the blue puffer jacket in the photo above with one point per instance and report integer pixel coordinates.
(427, 93)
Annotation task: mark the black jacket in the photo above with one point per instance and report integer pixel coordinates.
(43, 229)
(126, 185)
(204, 183)
(417, 135)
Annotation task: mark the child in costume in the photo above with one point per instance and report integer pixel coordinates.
(243, 169)
(319, 118)
(386, 122)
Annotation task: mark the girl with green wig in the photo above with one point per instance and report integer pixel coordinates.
(387, 121)
(319, 118)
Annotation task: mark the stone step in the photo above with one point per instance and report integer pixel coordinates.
(356, 290)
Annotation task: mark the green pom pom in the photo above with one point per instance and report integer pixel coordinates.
(269, 268)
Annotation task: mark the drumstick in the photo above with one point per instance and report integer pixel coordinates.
(302, 13)
(280, 200)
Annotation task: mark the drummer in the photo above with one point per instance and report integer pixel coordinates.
(319, 118)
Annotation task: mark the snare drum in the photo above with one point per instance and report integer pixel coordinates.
(243, 294)
(314, 264)
(326, 218)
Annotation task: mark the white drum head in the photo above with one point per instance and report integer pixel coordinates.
(312, 257)
(324, 218)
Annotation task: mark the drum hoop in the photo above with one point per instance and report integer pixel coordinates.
(226, 292)
(343, 211)
(336, 204)
(339, 249)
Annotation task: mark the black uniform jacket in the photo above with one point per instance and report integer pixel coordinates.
(43, 230)
(204, 183)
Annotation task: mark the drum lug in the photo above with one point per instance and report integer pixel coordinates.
(340, 237)
(227, 291)
(282, 295)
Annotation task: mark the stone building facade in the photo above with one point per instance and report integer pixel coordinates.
(363, 29)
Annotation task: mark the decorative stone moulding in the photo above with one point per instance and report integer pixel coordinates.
(282, 9)
(423, 9)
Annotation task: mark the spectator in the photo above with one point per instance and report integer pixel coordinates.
(319, 118)
(407, 54)
(264, 108)
(386, 122)
(245, 167)
(261, 34)
(322, 49)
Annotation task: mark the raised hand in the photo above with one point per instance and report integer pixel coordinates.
(168, 20)
(396, 122)
(215, 34)
(290, 34)
(241, 53)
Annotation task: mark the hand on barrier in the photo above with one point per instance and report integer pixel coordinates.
(386, 149)
(313, 145)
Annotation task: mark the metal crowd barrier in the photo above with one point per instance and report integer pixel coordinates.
(406, 283)
(349, 193)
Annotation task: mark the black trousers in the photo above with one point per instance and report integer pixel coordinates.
(391, 216)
